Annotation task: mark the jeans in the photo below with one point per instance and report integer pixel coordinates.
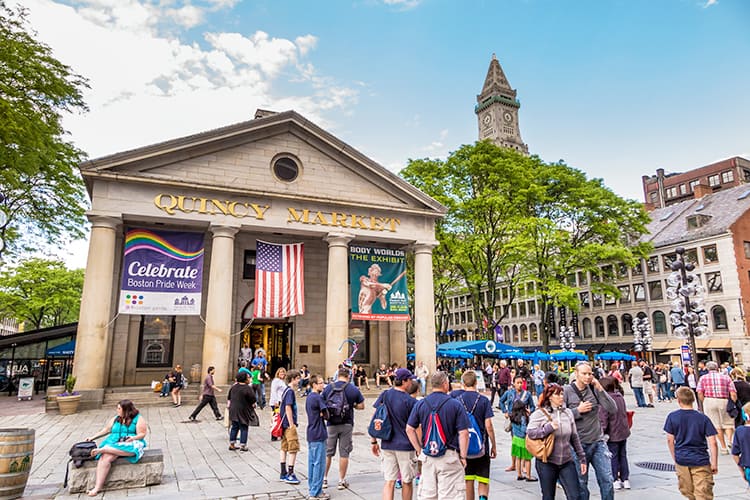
(206, 400)
(597, 456)
(664, 391)
(422, 386)
(237, 426)
(539, 389)
(262, 395)
(620, 469)
(549, 474)
(165, 389)
(316, 466)
(639, 399)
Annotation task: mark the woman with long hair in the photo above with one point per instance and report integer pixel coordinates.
(126, 437)
(177, 382)
(743, 393)
(519, 418)
(277, 390)
(553, 417)
(615, 425)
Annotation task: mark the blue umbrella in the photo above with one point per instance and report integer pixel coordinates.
(615, 356)
(410, 356)
(569, 356)
(452, 353)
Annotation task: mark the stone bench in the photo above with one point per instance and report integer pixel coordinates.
(147, 472)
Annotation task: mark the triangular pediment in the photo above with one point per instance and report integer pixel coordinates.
(240, 158)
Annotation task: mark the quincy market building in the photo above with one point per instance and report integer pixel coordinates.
(277, 178)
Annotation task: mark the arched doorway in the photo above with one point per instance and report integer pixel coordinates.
(273, 336)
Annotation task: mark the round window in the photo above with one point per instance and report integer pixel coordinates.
(285, 169)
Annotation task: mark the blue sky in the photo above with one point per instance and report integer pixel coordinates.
(615, 88)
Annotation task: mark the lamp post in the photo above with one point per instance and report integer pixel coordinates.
(567, 338)
(641, 335)
(3, 222)
(688, 316)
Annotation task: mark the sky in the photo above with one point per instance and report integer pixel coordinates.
(615, 88)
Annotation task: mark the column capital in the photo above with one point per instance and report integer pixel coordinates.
(224, 231)
(104, 221)
(338, 239)
(424, 246)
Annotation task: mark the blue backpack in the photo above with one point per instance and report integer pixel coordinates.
(380, 426)
(476, 438)
(434, 444)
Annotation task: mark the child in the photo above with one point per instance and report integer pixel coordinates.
(687, 431)
(317, 434)
(519, 417)
(289, 438)
(255, 380)
(741, 444)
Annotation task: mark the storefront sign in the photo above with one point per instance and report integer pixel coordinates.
(381, 275)
(162, 273)
(686, 355)
(340, 219)
(210, 206)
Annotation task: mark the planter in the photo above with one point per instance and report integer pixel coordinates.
(68, 404)
(16, 455)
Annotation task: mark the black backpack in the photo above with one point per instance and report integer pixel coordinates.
(79, 453)
(337, 405)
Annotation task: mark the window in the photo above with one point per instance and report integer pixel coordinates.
(713, 282)
(637, 270)
(627, 324)
(522, 308)
(515, 334)
(513, 313)
(608, 273)
(719, 315)
(532, 307)
(469, 316)
(693, 184)
(524, 333)
(612, 326)
(683, 189)
(697, 220)
(713, 180)
(248, 265)
(583, 297)
(586, 328)
(652, 264)
(624, 294)
(582, 278)
(597, 299)
(639, 292)
(668, 259)
(654, 290)
(710, 255)
(463, 317)
(622, 270)
(691, 255)
(285, 167)
(746, 245)
(571, 278)
(155, 342)
(609, 299)
(659, 323)
(654, 196)
(599, 326)
(533, 331)
(727, 177)
(672, 192)
(746, 174)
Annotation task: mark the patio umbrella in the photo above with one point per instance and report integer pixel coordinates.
(569, 356)
(615, 356)
(452, 353)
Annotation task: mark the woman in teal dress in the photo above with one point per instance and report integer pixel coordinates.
(125, 438)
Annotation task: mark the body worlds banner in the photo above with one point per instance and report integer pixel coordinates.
(378, 284)
(162, 273)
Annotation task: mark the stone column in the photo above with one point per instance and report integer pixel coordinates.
(424, 306)
(337, 299)
(219, 303)
(397, 335)
(96, 308)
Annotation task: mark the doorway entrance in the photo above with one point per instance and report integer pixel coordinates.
(274, 338)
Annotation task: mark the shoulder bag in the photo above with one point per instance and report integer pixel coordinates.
(542, 448)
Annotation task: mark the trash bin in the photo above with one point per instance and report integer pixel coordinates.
(16, 455)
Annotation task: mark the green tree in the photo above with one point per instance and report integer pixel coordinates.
(41, 293)
(44, 195)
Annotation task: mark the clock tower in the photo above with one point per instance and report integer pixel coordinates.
(497, 110)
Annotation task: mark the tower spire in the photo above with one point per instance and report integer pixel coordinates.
(495, 82)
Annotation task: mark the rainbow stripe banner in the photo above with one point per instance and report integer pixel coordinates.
(162, 273)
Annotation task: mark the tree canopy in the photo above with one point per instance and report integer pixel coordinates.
(41, 293)
(515, 220)
(43, 193)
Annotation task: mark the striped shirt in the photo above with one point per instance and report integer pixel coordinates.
(715, 385)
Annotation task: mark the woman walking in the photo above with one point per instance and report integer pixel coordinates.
(743, 393)
(615, 425)
(519, 417)
(277, 390)
(177, 382)
(553, 417)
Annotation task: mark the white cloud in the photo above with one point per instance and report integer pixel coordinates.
(709, 3)
(404, 4)
(148, 83)
(437, 147)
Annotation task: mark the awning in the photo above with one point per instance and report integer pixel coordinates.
(659, 345)
(66, 349)
(481, 347)
(718, 344)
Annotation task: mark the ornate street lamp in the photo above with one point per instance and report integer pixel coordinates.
(641, 335)
(688, 317)
(567, 338)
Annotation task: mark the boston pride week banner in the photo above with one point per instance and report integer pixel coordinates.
(162, 273)
(378, 284)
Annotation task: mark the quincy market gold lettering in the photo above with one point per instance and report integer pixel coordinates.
(211, 206)
(351, 221)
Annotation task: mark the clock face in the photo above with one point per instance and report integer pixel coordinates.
(487, 119)
(508, 117)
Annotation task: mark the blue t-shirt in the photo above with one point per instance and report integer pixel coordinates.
(352, 395)
(678, 376)
(288, 399)
(690, 430)
(400, 405)
(741, 445)
(481, 412)
(260, 361)
(316, 427)
(452, 416)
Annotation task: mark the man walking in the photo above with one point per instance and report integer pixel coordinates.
(502, 382)
(316, 439)
(442, 473)
(583, 397)
(342, 398)
(678, 377)
(648, 383)
(208, 397)
(713, 390)
(635, 379)
(397, 452)
(289, 438)
(422, 373)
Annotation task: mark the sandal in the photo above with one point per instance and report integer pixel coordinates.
(232, 447)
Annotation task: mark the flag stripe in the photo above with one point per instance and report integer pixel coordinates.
(279, 280)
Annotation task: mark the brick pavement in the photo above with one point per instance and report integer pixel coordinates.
(198, 464)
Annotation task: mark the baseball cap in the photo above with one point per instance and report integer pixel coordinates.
(404, 374)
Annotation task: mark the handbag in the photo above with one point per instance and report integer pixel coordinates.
(732, 408)
(276, 430)
(541, 448)
(79, 453)
(253, 420)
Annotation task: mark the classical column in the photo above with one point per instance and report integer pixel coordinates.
(96, 307)
(219, 303)
(397, 340)
(424, 306)
(337, 299)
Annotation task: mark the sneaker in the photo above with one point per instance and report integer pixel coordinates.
(232, 447)
(191, 418)
(398, 484)
(416, 480)
(617, 485)
(177, 405)
(322, 496)
(325, 484)
(220, 417)
(244, 448)
(626, 484)
(343, 484)
(291, 479)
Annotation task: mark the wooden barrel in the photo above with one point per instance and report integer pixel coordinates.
(16, 455)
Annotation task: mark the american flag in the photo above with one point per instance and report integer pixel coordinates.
(279, 280)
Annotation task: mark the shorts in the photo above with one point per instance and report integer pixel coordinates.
(478, 469)
(395, 462)
(290, 440)
(716, 411)
(341, 433)
(648, 388)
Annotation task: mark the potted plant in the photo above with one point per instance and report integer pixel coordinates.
(68, 400)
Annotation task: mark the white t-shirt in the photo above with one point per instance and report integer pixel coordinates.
(636, 376)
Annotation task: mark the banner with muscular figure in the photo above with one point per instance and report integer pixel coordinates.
(378, 284)
(162, 273)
